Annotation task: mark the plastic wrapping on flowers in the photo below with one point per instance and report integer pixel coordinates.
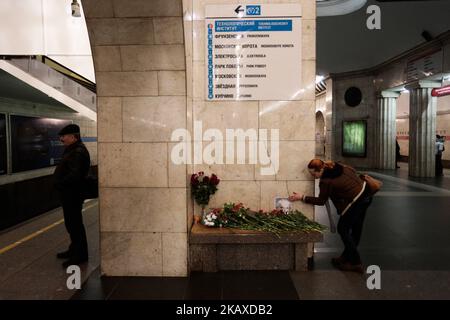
(237, 216)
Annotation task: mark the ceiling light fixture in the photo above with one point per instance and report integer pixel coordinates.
(319, 78)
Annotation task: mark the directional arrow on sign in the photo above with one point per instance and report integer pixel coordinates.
(239, 9)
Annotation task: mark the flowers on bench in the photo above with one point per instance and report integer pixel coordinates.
(276, 221)
(237, 216)
(203, 187)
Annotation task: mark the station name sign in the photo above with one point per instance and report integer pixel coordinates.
(253, 52)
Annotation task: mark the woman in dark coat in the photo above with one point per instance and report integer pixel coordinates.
(351, 198)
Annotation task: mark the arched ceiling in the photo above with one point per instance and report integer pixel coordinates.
(344, 43)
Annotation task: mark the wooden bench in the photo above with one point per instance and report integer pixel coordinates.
(213, 249)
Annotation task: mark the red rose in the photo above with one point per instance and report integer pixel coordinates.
(214, 180)
(194, 180)
(237, 207)
(276, 212)
(202, 187)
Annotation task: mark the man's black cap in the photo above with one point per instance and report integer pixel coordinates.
(70, 129)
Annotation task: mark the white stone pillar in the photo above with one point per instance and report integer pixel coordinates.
(140, 102)
(422, 129)
(386, 129)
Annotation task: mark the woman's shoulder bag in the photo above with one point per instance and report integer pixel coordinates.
(373, 184)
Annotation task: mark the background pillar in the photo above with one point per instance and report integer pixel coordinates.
(386, 129)
(422, 129)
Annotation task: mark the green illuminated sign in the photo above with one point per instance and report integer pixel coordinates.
(354, 137)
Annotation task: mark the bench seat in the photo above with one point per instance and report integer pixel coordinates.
(214, 249)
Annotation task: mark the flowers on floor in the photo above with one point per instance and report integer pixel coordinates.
(203, 186)
(276, 221)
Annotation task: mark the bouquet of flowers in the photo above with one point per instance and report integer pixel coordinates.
(276, 221)
(202, 187)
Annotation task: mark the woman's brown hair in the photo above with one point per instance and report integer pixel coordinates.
(317, 165)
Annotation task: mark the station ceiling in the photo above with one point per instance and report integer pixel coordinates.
(13, 88)
(344, 43)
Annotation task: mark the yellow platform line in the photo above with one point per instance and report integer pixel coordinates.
(29, 237)
(35, 234)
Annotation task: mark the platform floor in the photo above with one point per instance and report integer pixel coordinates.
(406, 233)
(29, 269)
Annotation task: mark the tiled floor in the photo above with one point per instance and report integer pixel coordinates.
(225, 285)
(441, 182)
(31, 270)
(406, 234)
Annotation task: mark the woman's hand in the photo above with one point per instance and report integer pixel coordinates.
(296, 197)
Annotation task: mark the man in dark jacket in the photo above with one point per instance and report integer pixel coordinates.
(397, 154)
(69, 178)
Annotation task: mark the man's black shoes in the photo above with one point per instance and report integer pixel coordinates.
(74, 261)
(64, 255)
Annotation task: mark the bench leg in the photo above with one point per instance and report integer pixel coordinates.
(301, 257)
(203, 258)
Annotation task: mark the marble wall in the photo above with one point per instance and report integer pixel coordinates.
(139, 60)
(150, 67)
(324, 105)
(320, 125)
(329, 125)
(295, 120)
(364, 111)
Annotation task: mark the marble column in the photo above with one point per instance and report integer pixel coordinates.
(422, 129)
(386, 129)
(140, 70)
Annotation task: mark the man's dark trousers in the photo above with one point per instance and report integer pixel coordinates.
(73, 219)
(439, 169)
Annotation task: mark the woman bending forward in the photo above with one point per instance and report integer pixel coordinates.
(351, 198)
